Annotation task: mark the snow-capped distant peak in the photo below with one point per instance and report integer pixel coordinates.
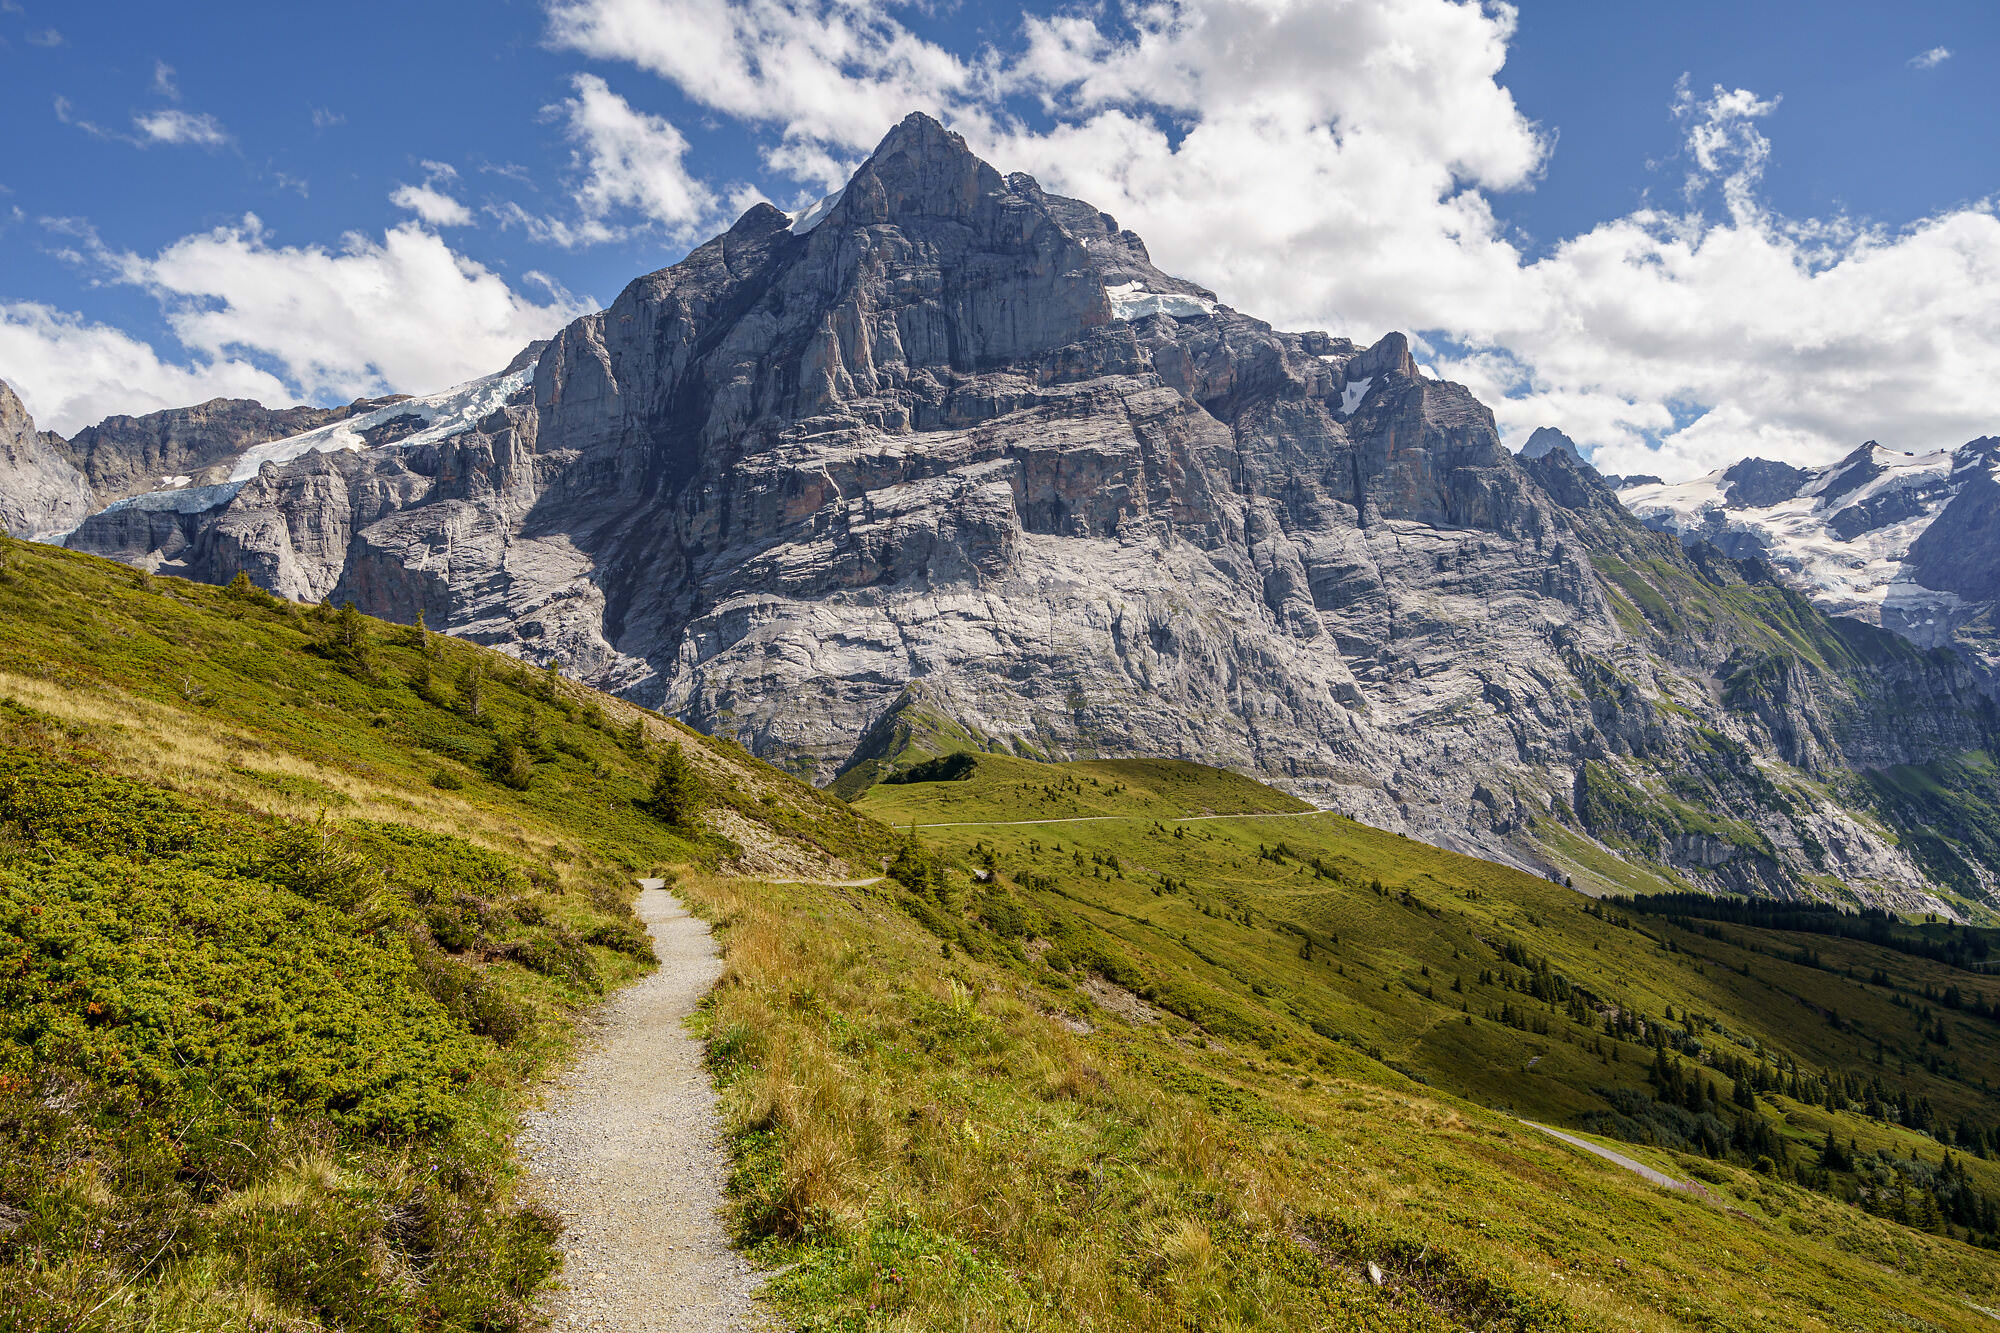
(1131, 300)
(442, 414)
(437, 416)
(1841, 533)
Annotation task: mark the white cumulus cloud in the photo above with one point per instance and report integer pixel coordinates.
(173, 126)
(432, 205)
(825, 72)
(1334, 166)
(628, 163)
(71, 373)
(1930, 59)
(280, 323)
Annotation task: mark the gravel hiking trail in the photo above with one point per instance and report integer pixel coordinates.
(1659, 1178)
(628, 1150)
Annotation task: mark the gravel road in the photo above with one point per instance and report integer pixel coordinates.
(628, 1151)
(1659, 1178)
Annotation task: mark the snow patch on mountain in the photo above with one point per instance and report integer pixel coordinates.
(435, 417)
(443, 414)
(1841, 536)
(1351, 396)
(1131, 300)
(806, 219)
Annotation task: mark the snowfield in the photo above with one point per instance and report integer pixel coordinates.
(443, 415)
(1131, 300)
(1842, 543)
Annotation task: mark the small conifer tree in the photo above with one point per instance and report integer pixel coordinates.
(472, 692)
(676, 789)
(509, 764)
(533, 740)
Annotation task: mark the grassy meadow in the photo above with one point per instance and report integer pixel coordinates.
(294, 908)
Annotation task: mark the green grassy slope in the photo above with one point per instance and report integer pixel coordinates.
(966, 1132)
(1003, 787)
(279, 952)
(1309, 938)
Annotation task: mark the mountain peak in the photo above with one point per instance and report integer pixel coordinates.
(1548, 440)
(919, 170)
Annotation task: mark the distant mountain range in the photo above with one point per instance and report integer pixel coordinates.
(1907, 541)
(946, 462)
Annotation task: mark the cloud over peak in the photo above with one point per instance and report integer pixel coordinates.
(1334, 166)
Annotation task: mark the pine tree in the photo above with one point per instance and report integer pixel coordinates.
(532, 738)
(509, 764)
(472, 692)
(346, 640)
(350, 632)
(676, 789)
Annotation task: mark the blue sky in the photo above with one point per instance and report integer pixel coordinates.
(1512, 185)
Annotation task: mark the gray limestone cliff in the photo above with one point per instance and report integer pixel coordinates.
(953, 444)
(40, 493)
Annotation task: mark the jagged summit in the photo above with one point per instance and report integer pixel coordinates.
(948, 456)
(1547, 440)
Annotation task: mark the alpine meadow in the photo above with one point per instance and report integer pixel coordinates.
(921, 769)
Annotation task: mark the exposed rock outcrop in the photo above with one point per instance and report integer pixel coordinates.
(40, 493)
(951, 445)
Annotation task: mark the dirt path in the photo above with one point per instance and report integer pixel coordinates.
(627, 1150)
(1661, 1179)
(1099, 819)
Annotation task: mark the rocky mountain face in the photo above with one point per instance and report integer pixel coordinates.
(185, 447)
(40, 493)
(947, 455)
(1906, 541)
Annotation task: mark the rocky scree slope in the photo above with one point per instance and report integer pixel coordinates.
(948, 454)
(1905, 541)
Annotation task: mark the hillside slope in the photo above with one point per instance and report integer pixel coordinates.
(293, 906)
(1176, 1069)
(283, 946)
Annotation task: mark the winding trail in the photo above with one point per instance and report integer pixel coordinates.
(1659, 1178)
(628, 1151)
(1159, 819)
